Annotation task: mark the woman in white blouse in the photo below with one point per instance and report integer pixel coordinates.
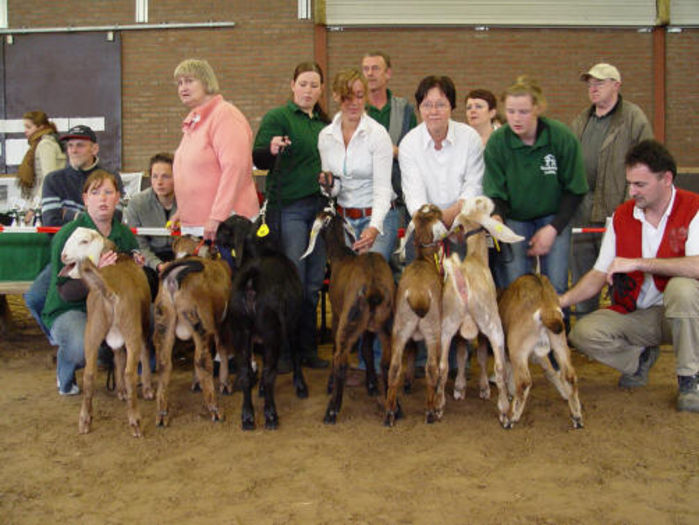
(358, 152)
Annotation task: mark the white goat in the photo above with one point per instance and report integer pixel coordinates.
(118, 311)
(469, 304)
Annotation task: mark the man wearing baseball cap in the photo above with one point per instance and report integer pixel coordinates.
(607, 130)
(62, 200)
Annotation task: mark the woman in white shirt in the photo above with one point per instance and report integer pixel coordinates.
(358, 152)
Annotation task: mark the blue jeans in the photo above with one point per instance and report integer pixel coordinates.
(554, 264)
(35, 298)
(297, 220)
(385, 244)
(68, 330)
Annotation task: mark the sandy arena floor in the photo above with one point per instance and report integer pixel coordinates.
(636, 460)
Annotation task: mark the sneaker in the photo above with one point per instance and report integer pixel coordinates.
(688, 396)
(640, 377)
(74, 390)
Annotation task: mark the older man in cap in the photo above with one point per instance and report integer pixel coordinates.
(606, 130)
(61, 201)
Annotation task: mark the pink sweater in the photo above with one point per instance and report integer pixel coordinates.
(213, 165)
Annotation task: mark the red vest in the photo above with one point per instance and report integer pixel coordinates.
(628, 243)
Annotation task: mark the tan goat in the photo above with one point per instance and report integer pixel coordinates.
(469, 303)
(191, 303)
(418, 314)
(533, 323)
(118, 312)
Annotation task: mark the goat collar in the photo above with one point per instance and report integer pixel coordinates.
(475, 231)
(201, 243)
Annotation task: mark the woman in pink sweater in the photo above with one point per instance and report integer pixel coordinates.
(213, 163)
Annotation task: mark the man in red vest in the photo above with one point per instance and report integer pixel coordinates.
(650, 258)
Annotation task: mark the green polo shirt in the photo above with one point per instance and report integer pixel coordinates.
(299, 165)
(120, 235)
(383, 115)
(531, 179)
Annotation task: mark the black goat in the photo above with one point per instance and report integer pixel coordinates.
(361, 295)
(264, 308)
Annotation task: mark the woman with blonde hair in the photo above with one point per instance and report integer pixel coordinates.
(213, 163)
(535, 175)
(44, 155)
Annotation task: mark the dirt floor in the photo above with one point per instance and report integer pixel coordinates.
(636, 460)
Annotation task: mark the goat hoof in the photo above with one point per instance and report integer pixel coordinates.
(196, 387)
(226, 389)
(430, 417)
(162, 420)
(301, 390)
(408, 387)
(261, 391)
(121, 394)
(135, 425)
(372, 389)
(459, 394)
(330, 417)
(84, 425)
(577, 423)
(272, 423)
(390, 419)
(148, 393)
(248, 424)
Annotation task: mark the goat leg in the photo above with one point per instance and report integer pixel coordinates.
(371, 381)
(394, 375)
(119, 366)
(133, 356)
(483, 383)
(269, 376)
(89, 374)
(146, 376)
(567, 379)
(163, 340)
(460, 381)
(432, 378)
(523, 384)
(410, 354)
(339, 374)
(204, 366)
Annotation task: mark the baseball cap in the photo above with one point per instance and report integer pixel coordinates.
(80, 132)
(602, 71)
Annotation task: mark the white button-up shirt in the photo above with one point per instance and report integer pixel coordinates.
(362, 170)
(651, 238)
(441, 177)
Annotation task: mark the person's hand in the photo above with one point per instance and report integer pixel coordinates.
(210, 229)
(366, 239)
(174, 222)
(138, 258)
(325, 178)
(278, 143)
(160, 267)
(542, 240)
(107, 259)
(621, 265)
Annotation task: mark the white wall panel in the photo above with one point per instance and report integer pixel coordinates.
(684, 12)
(495, 12)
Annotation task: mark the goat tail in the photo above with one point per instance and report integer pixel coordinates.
(93, 278)
(419, 302)
(550, 313)
(174, 273)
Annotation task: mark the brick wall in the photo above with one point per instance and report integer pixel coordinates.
(254, 61)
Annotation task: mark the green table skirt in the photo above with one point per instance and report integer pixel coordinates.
(23, 255)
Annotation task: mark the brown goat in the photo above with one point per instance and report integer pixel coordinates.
(118, 311)
(418, 314)
(533, 323)
(469, 304)
(361, 296)
(191, 303)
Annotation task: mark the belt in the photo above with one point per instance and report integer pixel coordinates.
(354, 213)
(357, 213)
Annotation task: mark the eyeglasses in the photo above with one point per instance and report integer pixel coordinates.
(439, 106)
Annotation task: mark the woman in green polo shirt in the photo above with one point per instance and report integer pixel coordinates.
(287, 145)
(65, 312)
(535, 175)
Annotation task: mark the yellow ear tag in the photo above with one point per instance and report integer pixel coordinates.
(92, 258)
(168, 224)
(263, 230)
(498, 228)
(233, 253)
(496, 243)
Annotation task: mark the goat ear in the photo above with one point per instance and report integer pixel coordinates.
(313, 236)
(500, 231)
(349, 230)
(439, 231)
(404, 241)
(452, 273)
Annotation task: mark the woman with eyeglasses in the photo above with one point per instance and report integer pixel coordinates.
(441, 160)
(535, 175)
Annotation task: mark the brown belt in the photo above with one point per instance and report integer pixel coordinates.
(357, 213)
(354, 213)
